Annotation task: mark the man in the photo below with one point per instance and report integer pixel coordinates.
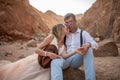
(85, 57)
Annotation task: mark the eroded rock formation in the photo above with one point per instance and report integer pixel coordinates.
(100, 19)
(19, 20)
(106, 48)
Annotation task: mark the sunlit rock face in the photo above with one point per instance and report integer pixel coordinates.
(102, 18)
(18, 20)
(50, 18)
(106, 48)
(116, 30)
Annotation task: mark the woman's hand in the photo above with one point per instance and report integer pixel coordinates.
(52, 55)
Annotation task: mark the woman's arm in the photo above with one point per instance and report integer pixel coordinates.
(66, 55)
(76, 51)
(45, 53)
(44, 43)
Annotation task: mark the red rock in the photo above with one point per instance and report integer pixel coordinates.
(99, 19)
(106, 48)
(19, 20)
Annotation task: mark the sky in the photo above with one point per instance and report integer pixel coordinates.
(62, 7)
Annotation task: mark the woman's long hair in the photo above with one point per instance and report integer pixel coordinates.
(57, 30)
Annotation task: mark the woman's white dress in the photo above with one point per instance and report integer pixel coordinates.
(26, 68)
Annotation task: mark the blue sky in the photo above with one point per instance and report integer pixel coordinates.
(61, 7)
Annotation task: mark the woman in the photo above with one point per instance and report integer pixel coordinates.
(56, 38)
(29, 68)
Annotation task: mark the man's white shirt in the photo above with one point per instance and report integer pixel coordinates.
(73, 40)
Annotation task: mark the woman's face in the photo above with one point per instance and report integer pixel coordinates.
(66, 30)
(63, 33)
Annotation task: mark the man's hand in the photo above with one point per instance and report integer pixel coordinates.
(83, 50)
(79, 50)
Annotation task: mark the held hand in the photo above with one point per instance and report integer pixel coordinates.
(82, 50)
(86, 47)
(52, 55)
(78, 50)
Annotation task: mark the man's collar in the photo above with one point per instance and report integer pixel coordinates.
(78, 30)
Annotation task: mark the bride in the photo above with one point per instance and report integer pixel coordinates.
(28, 68)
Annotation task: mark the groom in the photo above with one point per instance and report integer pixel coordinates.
(85, 57)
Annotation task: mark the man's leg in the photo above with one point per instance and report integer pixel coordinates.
(88, 60)
(56, 68)
(76, 61)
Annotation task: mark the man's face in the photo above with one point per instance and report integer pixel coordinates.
(70, 23)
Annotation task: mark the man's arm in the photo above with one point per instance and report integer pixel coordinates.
(89, 41)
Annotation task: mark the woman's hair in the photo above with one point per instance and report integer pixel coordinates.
(57, 29)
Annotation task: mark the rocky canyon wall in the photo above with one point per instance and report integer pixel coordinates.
(102, 19)
(18, 20)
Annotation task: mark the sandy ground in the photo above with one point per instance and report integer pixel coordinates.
(15, 50)
(107, 68)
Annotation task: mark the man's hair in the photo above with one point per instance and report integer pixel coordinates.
(67, 16)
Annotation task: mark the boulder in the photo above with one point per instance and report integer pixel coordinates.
(106, 48)
(32, 43)
(73, 74)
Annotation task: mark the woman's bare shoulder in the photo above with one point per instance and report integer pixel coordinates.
(50, 36)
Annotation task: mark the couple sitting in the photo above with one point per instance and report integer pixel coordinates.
(70, 54)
